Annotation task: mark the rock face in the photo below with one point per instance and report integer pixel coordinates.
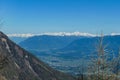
(18, 64)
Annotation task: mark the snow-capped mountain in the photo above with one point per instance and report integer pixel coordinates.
(21, 37)
(53, 34)
(17, 38)
(59, 34)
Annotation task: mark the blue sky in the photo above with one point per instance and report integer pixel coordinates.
(37, 16)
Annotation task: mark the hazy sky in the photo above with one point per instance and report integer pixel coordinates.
(37, 16)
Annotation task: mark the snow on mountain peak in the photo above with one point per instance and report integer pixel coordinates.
(53, 34)
(20, 35)
(113, 34)
(59, 34)
(68, 34)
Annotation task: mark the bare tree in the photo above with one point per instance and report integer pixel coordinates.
(101, 68)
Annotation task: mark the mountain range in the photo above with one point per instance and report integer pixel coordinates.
(46, 42)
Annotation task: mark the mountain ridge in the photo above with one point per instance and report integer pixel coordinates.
(46, 42)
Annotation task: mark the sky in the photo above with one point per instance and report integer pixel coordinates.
(38, 16)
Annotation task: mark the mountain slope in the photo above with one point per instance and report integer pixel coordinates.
(18, 64)
(86, 46)
(112, 42)
(47, 42)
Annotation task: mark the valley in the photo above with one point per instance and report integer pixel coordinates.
(68, 53)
